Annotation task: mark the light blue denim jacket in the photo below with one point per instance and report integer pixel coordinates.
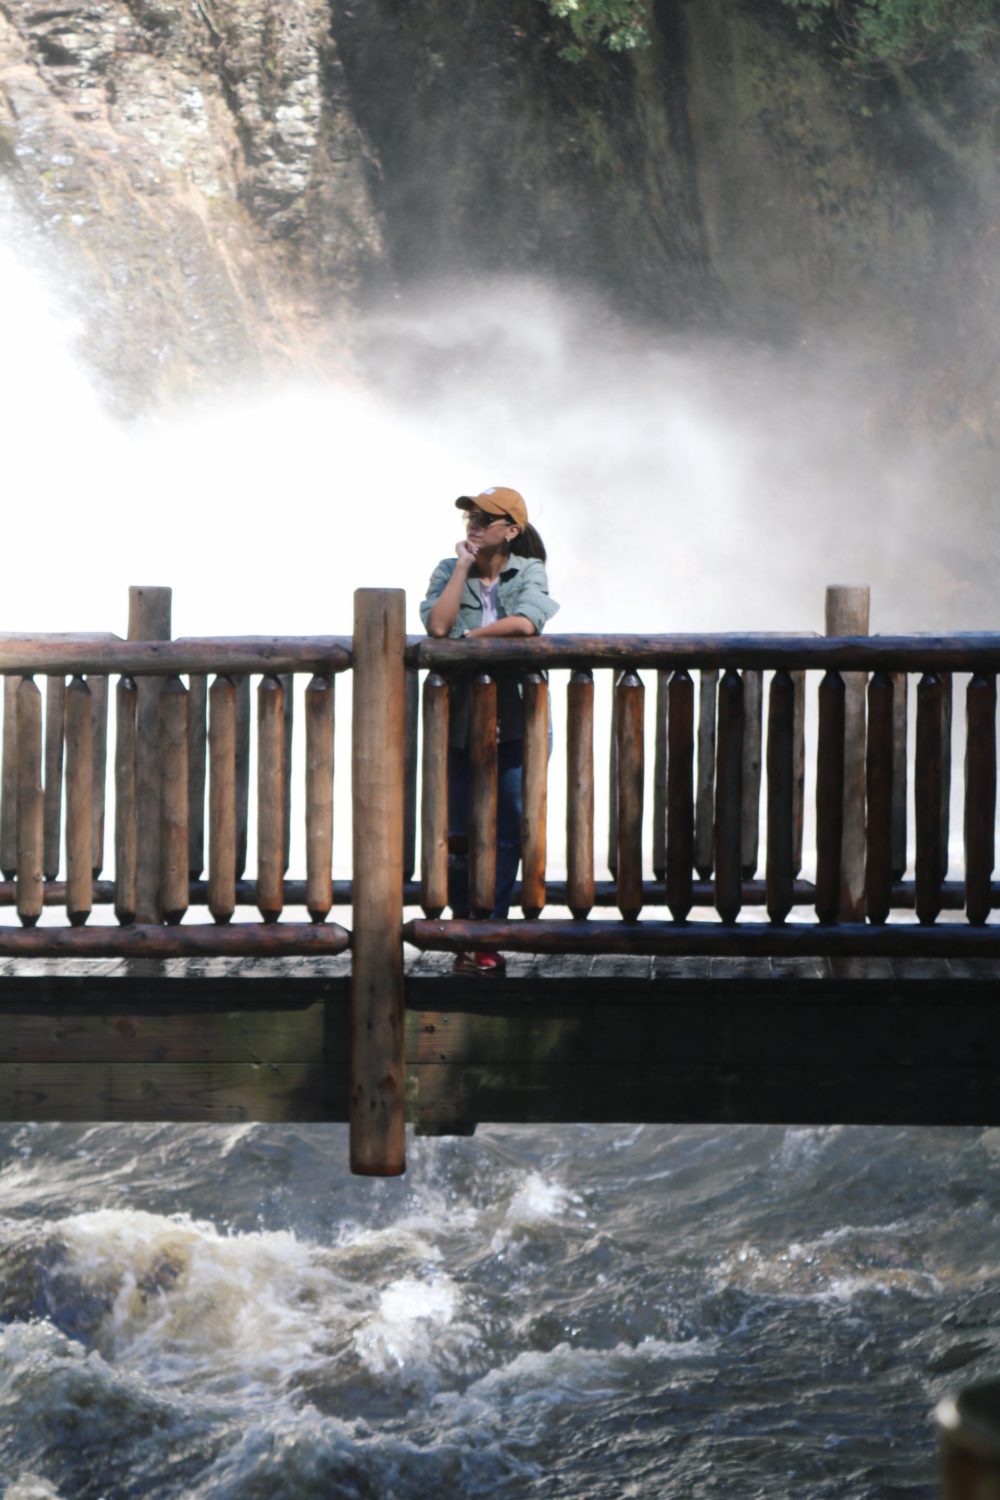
(522, 589)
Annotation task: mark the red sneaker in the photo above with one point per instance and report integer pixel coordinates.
(491, 965)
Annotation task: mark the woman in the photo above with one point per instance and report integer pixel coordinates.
(495, 585)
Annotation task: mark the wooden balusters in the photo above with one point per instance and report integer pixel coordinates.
(879, 764)
(99, 703)
(434, 807)
(630, 698)
(319, 796)
(900, 696)
(847, 614)
(929, 782)
(680, 796)
(660, 777)
(79, 797)
(482, 794)
(580, 794)
(8, 781)
(534, 779)
(30, 822)
(243, 718)
(799, 767)
(197, 752)
(378, 1080)
(148, 620)
(222, 736)
(704, 814)
(270, 798)
(980, 793)
(729, 798)
(55, 733)
(780, 872)
(126, 775)
(613, 781)
(753, 710)
(946, 685)
(412, 693)
(830, 795)
(287, 680)
(173, 710)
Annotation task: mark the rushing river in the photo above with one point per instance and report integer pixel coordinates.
(580, 1312)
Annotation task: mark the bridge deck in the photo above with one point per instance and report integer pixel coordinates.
(812, 1041)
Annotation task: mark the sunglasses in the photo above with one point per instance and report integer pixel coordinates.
(482, 521)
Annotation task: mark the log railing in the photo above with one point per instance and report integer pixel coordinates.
(738, 725)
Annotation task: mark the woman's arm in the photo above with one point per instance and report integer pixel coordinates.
(444, 610)
(509, 625)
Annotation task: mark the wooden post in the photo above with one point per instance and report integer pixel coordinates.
(753, 717)
(79, 795)
(878, 837)
(928, 785)
(243, 717)
(535, 793)
(580, 794)
(729, 798)
(55, 731)
(173, 710)
(630, 695)
(197, 749)
(847, 614)
(8, 781)
(270, 798)
(704, 815)
(679, 857)
(222, 799)
(377, 1010)
(99, 703)
(780, 856)
(830, 796)
(148, 620)
(660, 757)
(434, 792)
(30, 823)
(980, 793)
(969, 1425)
(319, 796)
(900, 694)
(410, 773)
(126, 791)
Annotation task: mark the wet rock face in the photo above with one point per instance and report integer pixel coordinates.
(193, 172)
(222, 180)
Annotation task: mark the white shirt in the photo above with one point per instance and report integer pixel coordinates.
(488, 594)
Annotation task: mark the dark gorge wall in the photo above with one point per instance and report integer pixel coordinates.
(223, 181)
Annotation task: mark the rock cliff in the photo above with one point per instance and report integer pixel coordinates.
(222, 181)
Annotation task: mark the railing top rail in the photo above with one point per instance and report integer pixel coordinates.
(238, 655)
(971, 652)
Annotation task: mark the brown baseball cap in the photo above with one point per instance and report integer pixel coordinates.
(497, 501)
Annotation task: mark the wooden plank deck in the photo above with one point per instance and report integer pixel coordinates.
(796, 1041)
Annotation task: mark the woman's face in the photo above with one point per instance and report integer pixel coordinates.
(483, 530)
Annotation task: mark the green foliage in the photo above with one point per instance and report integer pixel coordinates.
(618, 25)
(902, 32)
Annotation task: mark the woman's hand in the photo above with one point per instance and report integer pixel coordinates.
(466, 553)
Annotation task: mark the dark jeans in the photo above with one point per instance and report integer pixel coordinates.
(510, 756)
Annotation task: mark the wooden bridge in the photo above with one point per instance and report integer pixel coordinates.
(853, 1001)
